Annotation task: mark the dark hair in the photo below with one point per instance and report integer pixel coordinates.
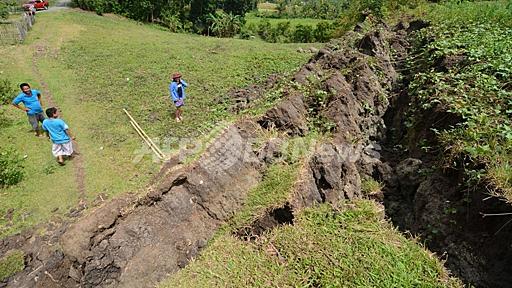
(23, 85)
(50, 111)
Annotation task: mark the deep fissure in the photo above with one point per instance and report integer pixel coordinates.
(440, 205)
(272, 218)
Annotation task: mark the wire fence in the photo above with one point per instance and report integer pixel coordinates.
(15, 31)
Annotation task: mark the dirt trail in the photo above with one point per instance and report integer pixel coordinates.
(78, 161)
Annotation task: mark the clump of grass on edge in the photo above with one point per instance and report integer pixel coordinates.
(370, 186)
(12, 263)
(346, 246)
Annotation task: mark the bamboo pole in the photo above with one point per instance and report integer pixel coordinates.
(144, 135)
(146, 140)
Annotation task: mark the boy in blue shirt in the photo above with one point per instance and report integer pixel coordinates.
(32, 105)
(177, 90)
(58, 131)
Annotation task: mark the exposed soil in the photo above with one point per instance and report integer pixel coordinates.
(137, 242)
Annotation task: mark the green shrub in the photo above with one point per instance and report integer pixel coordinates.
(7, 91)
(225, 25)
(303, 34)
(323, 32)
(264, 29)
(5, 6)
(11, 167)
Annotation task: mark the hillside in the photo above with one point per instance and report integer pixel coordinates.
(92, 67)
(310, 173)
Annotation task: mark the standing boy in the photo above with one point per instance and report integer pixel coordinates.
(32, 105)
(177, 90)
(58, 131)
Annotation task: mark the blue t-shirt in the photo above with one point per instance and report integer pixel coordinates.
(57, 129)
(176, 92)
(31, 102)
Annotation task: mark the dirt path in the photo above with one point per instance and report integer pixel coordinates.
(64, 4)
(78, 160)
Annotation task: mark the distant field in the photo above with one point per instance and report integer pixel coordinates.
(267, 7)
(95, 66)
(252, 19)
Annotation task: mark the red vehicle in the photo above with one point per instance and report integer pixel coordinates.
(36, 5)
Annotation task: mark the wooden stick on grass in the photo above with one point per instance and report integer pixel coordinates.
(146, 140)
(144, 136)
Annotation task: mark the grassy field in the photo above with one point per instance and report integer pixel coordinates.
(346, 246)
(96, 66)
(252, 19)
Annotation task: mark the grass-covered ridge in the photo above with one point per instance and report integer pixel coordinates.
(96, 66)
(345, 246)
(474, 40)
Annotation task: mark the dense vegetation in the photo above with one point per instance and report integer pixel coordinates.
(6, 7)
(226, 18)
(470, 47)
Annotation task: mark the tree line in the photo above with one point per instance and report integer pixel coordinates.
(178, 15)
(225, 18)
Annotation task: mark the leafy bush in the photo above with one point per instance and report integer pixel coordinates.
(470, 51)
(5, 5)
(11, 167)
(323, 32)
(303, 34)
(173, 21)
(7, 91)
(285, 32)
(225, 25)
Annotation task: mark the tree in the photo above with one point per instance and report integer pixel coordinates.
(239, 7)
(225, 25)
(4, 8)
(199, 12)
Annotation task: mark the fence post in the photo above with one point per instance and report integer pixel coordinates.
(16, 31)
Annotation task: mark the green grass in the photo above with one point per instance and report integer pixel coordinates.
(11, 263)
(347, 246)
(95, 66)
(255, 20)
(477, 89)
(370, 186)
